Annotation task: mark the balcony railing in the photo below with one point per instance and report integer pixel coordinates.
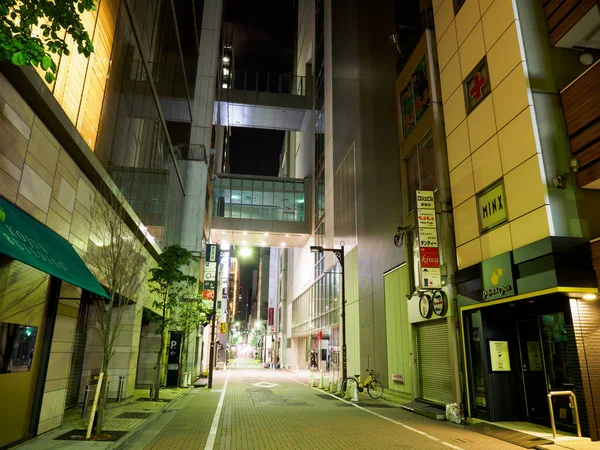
(262, 198)
(319, 305)
(195, 152)
(265, 82)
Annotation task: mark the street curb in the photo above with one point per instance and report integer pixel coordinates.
(131, 435)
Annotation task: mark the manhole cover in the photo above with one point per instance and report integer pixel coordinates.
(134, 415)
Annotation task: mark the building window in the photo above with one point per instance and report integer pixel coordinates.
(420, 170)
(415, 98)
(457, 5)
(477, 86)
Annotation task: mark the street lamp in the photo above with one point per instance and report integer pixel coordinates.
(339, 253)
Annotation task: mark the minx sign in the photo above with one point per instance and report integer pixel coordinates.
(497, 276)
(491, 205)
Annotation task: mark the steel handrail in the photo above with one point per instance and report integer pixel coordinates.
(556, 394)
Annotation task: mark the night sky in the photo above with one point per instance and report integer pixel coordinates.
(263, 42)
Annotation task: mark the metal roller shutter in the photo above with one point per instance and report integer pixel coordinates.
(78, 354)
(435, 373)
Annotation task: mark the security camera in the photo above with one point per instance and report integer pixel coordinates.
(213, 178)
(574, 165)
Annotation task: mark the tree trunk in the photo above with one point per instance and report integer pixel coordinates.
(107, 350)
(102, 399)
(159, 357)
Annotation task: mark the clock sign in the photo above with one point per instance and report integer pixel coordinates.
(440, 302)
(425, 306)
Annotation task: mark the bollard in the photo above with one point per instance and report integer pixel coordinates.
(321, 381)
(338, 386)
(355, 396)
(311, 379)
(348, 393)
(120, 391)
(326, 383)
(86, 397)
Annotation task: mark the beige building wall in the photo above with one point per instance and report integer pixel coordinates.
(39, 176)
(499, 138)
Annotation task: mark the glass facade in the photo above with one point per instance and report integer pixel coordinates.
(263, 198)
(319, 305)
(131, 100)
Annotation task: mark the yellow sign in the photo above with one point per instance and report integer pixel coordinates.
(491, 207)
(223, 327)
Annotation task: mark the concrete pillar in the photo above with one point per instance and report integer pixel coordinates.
(206, 75)
(192, 224)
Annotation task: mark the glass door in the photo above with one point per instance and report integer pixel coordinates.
(477, 373)
(533, 371)
(560, 365)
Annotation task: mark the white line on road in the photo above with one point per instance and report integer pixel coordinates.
(422, 433)
(210, 443)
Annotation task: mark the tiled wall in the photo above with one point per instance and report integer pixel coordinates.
(39, 176)
(497, 139)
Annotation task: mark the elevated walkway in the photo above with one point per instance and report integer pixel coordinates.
(266, 100)
(261, 211)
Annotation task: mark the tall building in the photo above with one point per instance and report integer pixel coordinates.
(131, 127)
(518, 85)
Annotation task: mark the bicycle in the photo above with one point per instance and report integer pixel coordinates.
(374, 387)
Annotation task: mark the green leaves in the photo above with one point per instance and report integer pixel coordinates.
(19, 59)
(46, 62)
(31, 31)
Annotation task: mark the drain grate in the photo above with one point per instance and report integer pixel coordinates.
(161, 400)
(134, 415)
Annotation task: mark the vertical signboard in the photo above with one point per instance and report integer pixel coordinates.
(173, 359)
(210, 272)
(428, 241)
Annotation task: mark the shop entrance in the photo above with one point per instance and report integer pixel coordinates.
(516, 354)
(533, 375)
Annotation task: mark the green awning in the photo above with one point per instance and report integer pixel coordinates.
(26, 240)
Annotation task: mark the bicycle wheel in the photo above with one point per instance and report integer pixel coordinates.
(349, 383)
(375, 389)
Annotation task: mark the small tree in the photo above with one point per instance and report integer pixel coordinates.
(168, 281)
(31, 31)
(117, 255)
(189, 315)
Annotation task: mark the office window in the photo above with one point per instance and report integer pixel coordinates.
(420, 170)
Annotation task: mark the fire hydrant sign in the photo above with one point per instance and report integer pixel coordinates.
(428, 241)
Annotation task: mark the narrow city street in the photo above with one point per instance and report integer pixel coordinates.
(254, 408)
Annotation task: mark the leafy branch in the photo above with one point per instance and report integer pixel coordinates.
(32, 31)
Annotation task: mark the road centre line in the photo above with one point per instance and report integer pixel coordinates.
(408, 427)
(212, 435)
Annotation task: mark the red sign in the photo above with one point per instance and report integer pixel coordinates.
(319, 334)
(271, 316)
(208, 294)
(430, 257)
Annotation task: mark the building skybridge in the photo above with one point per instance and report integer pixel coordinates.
(265, 100)
(261, 211)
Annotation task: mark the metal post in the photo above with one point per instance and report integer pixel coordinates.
(120, 391)
(551, 408)
(211, 363)
(86, 398)
(341, 258)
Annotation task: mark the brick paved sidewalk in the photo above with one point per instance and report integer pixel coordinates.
(134, 406)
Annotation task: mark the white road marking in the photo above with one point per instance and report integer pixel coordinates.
(210, 443)
(422, 433)
(265, 384)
